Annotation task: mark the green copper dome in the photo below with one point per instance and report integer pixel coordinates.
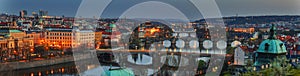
(272, 44)
(270, 49)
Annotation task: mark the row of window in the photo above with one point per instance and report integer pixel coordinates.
(87, 34)
(87, 38)
(3, 45)
(68, 34)
(60, 34)
(68, 45)
(59, 41)
(58, 37)
(267, 46)
(69, 38)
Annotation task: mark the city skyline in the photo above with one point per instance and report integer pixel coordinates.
(227, 8)
(149, 37)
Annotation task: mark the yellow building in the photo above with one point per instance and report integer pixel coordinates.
(36, 35)
(245, 30)
(98, 39)
(15, 42)
(58, 38)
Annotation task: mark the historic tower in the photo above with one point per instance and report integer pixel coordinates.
(270, 49)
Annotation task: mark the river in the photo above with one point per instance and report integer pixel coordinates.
(69, 69)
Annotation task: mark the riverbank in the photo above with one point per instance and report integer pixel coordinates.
(10, 66)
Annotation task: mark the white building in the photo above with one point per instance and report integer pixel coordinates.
(239, 56)
(84, 38)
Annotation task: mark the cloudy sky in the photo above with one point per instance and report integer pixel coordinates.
(227, 7)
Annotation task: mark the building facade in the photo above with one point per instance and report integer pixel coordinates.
(58, 38)
(36, 36)
(84, 38)
(15, 43)
(98, 38)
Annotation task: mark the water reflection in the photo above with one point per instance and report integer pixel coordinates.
(140, 59)
(55, 70)
(170, 66)
(174, 60)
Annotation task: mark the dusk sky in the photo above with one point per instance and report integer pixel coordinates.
(227, 7)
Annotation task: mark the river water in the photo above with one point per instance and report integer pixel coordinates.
(69, 69)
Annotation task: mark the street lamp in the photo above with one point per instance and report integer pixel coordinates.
(262, 66)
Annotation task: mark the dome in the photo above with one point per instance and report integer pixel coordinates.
(270, 49)
(273, 46)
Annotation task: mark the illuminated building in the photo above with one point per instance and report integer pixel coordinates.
(15, 42)
(35, 35)
(245, 30)
(98, 38)
(58, 38)
(143, 36)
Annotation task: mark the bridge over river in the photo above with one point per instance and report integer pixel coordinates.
(166, 60)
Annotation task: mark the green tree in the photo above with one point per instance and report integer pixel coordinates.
(230, 50)
(201, 64)
(279, 67)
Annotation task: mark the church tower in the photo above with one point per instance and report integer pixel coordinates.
(270, 49)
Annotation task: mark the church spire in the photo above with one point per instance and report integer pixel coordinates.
(272, 34)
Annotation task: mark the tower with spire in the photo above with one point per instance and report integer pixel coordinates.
(270, 49)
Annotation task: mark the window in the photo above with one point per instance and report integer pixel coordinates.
(281, 45)
(266, 46)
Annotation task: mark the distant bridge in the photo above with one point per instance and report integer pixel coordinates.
(123, 54)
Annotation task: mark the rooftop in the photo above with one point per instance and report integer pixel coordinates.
(59, 30)
(9, 31)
